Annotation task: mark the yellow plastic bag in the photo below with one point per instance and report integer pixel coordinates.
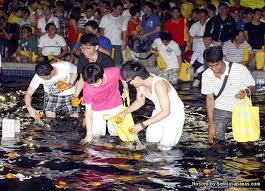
(246, 54)
(260, 59)
(245, 121)
(26, 53)
(161, 64)
(122, 127)
(184, 73)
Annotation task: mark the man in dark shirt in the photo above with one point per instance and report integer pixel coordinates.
(89, 47)
(90, 55)
(222, 26)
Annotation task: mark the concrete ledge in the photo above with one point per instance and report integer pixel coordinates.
(18, 66)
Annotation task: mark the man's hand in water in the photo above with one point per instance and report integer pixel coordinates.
(87, 139)
(33, 112)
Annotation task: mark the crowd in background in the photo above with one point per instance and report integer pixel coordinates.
(35, 30)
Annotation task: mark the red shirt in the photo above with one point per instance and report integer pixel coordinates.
(72, 34)
(132, 26)
(176, 30)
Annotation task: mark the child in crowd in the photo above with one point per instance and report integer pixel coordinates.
(171, 54)
(27, 46)
(197, 60)
(101, 97)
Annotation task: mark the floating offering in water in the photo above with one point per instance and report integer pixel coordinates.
(137, 156)
(12, 155)
(61, 184)
(96, 184)
(206, 171)
(37, 115)
(192, 170)
(10, 176)
(76, 101)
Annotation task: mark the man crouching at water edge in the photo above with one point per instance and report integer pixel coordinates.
(167, 120)
(57, 80)
(219, 103)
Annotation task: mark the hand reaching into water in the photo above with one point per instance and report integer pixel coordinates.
(87, 139)
(34, 113)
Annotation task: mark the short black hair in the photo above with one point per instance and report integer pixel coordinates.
(207, 35)
(203, 11)
(223, 4)
(43, 69)
(256, 10)
(213, 54)
(30, 2)
(92, 24)
(211, 7)
(131, 69)
(175, 8)
(49, 25)
(75, 13)
(88, 6)
(237, 33)
(89, 38)
(150, 5)
(92, 73)
(26, 10)
(27, 27)
(165, 36)
(247, 11)
(134, 9)
(116, 4)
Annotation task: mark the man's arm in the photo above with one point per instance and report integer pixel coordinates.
(27, 100)
(105, 51)
(79, 86)
(210, 112)
(88, 122)
(138, 103)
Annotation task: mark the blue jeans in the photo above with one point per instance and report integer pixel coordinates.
(221, 119)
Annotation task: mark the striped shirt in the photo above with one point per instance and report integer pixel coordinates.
(232, 53)
(239, 78)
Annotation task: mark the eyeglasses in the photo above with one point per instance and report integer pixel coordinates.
(128, 81)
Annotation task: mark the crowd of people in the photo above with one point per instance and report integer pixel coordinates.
(84, 43)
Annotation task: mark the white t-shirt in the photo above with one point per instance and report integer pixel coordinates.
(112, 28)
(169, 52)
(197, 29)
(49, 45)
(239, 78)
(42, 23)
(63, 69)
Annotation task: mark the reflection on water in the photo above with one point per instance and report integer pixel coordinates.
(50, 157)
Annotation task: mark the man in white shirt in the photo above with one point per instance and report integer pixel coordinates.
(85, 17)
(239, 84)
(171, 53)
(111, 26)
(52, 43)
(45, 19)
(197, 29)
(55, 98)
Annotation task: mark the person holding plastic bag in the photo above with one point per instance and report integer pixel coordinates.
(101, 97)
(167, 120)
(223, 83)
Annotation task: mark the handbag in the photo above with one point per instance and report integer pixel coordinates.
(161, 64)
(184, 74)
(139, 45)
(122, 126)
(245, 121)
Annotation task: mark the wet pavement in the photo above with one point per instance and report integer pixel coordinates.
(49, 156)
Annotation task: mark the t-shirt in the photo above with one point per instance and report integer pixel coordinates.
(169, 52)
(63, 69)
(49, 45)
(42, 23)
(239, 78)
(103, 60)
(103, 41)
(112, 28)
(149, 23)
(255, 34)
(176, 30)
(107, 96)
(83, 20)
(28, 44)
